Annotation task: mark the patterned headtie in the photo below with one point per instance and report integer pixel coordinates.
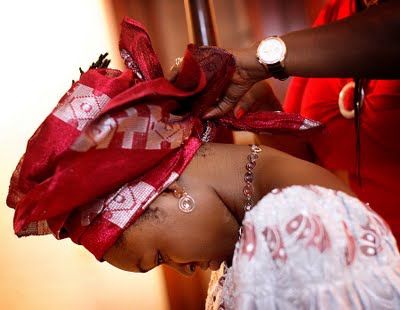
(117, 139)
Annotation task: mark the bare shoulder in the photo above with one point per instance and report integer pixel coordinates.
(282, 170)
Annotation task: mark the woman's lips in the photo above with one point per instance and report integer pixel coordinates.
(212, 265)
(203, 265)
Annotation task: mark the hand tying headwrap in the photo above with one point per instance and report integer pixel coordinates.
(116, 140)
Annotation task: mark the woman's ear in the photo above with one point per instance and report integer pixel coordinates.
(186, 202)
(174, 186)
(177, 190)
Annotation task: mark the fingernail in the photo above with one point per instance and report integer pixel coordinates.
(239, 113)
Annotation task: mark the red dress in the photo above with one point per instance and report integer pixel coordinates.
(335, 149)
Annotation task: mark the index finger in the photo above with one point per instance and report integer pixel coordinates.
(173, 72)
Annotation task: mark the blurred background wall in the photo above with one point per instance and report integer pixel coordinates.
(43, 43)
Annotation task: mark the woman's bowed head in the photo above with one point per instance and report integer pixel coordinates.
(127, 136)
(206, 236)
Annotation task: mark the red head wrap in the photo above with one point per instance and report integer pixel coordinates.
(117, 139)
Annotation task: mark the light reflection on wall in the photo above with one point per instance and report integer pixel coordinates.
(44, 42)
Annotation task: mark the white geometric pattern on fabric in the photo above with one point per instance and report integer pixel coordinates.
(130, 125)
(120, 207)
(80, 106)
(129, 130)
(172, 134)
(97, 135)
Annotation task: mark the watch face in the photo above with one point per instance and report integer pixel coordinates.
(271, 50)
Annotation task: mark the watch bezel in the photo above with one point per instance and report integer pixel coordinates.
(263, 57)
(274, 65)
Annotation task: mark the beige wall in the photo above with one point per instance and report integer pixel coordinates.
(43, 43)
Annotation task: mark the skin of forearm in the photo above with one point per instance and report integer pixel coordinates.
(363, 45)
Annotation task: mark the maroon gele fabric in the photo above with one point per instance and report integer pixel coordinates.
(117, 139)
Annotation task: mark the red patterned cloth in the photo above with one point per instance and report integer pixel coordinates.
(317, 98)
(117, 139)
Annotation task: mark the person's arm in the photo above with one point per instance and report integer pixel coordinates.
(366, 45)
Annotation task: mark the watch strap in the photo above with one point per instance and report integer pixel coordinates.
(277, 71)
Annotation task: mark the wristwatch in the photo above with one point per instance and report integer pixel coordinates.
(271, 54)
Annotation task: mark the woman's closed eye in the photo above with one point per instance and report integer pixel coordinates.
(160, 259)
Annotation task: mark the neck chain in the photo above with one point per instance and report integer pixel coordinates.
(248, 176)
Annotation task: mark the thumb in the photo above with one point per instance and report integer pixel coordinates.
(220, 109)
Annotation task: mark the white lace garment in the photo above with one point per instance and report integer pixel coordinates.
(310, 248)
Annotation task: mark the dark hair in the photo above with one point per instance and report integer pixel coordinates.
(150, 214)
(203, 150)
